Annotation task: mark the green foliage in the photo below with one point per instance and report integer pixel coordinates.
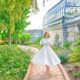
(75, 47)
(70, 51)
(76, 71)
(64, 57)
(3, 34)
(13, 62)
(25, 38)
(38, 40)
(36, 43)
(67, 45)
(57, 48)
(14, 15)
(75, 55)
(8, 77)
(21, 24)
(76, 74)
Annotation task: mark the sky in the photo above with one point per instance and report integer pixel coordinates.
(37, 19)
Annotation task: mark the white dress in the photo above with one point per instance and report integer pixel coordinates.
(46, 56)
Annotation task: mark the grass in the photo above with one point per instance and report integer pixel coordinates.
(13, 62)
(35, 45)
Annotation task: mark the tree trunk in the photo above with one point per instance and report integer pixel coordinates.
(9, 39)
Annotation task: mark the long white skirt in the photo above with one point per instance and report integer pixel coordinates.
(46, 56)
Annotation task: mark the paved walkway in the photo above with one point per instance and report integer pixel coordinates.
(25, 48)
(38, 71)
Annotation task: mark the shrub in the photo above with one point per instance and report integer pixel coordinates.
(21, 38)
(74, 57)
(13, 62)
(75, 48)
(57, 49)
(63, 57)
(76, 74)
(37, 41)
(25, 38)
(67, 44)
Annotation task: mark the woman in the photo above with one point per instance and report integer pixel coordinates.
(46, 56)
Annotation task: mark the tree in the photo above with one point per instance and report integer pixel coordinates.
(12, 11)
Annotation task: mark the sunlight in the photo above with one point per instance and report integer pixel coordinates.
(39, 17)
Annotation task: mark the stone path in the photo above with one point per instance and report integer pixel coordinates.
(38, 71)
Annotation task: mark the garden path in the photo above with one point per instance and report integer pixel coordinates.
(38, 71)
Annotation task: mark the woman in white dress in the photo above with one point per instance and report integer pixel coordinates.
(46, 56)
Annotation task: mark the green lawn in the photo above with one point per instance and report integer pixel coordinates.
(13, 62)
